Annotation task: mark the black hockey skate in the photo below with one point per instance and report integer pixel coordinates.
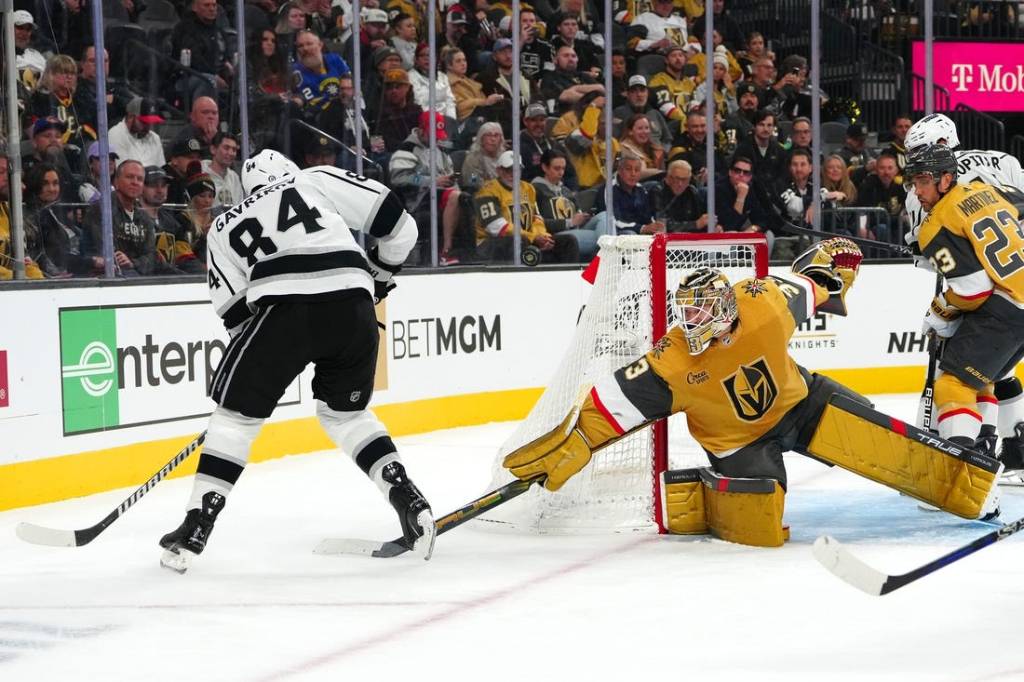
(1011, 454)
(189, 539)
(986, 441)
(413, 511)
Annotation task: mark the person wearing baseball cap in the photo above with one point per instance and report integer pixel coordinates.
(134, 135)
(89, 189)
(48, 146)
(397, 114)
(184, 152)
(26, 57)
(533, 140)
(638, 102)
(494, 222)
(410, 169)
(859, 158)
(670, 88)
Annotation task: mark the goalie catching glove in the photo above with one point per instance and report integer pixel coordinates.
(382, 275)
(833, 265)
(942, 318)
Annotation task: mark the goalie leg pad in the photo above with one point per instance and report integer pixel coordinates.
(747, 511)
(901, 456)
(682, 497)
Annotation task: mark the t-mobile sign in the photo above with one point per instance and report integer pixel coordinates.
(986, 76)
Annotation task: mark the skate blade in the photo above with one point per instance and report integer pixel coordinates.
(177, 560)
(424, 545)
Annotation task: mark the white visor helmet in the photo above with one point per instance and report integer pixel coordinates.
(932, 129)
(266, 168)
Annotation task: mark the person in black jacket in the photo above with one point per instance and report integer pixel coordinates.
(677, 203)
(737, 207)
(201, 35)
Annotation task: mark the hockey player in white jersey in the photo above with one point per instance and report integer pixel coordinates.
(293, 286)
(1002, 412)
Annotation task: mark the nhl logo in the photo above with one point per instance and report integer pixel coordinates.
(354, 396)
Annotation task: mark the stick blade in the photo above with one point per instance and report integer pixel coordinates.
(831, 554)
(335, 546)
(41, 535)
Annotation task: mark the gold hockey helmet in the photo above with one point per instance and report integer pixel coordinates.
(705, 307)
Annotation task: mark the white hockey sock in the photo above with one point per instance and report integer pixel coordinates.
(229, 439)
(1011, 413)
(363, 437)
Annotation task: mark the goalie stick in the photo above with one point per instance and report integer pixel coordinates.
(55, 537)
(393, 548)
(831, 554)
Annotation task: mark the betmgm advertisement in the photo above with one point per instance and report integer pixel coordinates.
(138, 364)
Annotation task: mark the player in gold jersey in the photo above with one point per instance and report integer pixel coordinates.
(727, 366)
(973, 238)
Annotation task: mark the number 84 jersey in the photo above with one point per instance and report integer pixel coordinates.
(973, 238)
(293, 240)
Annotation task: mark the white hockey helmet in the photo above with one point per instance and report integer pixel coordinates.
(265, 168)
(930, 130)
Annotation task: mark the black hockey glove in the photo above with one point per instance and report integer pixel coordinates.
(382, 275)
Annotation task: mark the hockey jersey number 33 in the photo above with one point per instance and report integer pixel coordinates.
(293, 239)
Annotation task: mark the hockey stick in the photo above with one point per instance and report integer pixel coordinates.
(55, 537)
(844, 565)
(861, 241)
(444, 524)
(934, 351)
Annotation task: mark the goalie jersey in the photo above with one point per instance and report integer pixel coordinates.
(294, 240)
(993, 168)
(973, 239)
(736, 390)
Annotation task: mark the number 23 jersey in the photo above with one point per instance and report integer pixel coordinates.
(973, 239)
(294, 240)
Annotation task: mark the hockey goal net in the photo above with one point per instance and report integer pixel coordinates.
(628, 310)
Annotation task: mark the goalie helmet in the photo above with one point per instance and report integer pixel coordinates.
(265, 168)
(705, 308)
(933, 159)
(932, 129)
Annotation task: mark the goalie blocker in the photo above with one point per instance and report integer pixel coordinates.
(853, 436)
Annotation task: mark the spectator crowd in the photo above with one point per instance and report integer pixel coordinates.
(172, 93)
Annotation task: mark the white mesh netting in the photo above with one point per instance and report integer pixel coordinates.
(615, 492)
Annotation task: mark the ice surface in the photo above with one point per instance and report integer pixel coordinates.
(258, 605)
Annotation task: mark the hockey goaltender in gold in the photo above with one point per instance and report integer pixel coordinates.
(726, 364)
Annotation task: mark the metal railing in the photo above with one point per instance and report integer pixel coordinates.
(939, 93)
(1017, 146)
(978, 130)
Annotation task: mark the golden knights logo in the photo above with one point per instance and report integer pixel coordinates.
(752, 390)
(753, 287)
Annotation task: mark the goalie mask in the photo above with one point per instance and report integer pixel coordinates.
(705, 308)
(266, 168)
